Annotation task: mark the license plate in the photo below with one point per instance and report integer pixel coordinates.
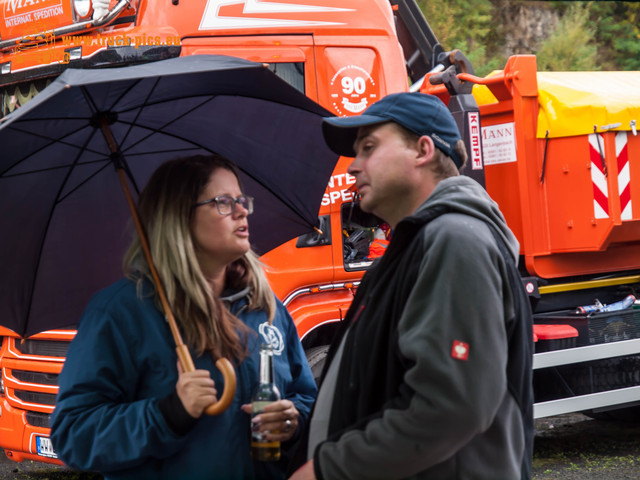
(44, 447)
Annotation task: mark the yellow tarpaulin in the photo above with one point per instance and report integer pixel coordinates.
(571, 103)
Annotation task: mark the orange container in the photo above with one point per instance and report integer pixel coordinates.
(562, 159)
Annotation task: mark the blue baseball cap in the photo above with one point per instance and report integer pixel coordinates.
(419, 113)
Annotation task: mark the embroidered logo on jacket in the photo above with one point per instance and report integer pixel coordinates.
(460, 350)
(272, 336)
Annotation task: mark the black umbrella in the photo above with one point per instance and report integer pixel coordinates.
(63, 217)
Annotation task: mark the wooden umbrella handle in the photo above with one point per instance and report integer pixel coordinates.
(228, 373)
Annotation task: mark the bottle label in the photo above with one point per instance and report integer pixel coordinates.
(258, 406)
(256, 435)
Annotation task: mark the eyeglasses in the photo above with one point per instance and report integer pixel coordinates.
(226, 204)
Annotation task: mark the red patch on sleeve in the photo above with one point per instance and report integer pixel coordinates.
(460, 350)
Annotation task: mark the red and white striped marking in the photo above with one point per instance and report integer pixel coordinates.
(624, 177)
(598, 178)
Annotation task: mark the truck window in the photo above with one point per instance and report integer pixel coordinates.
(292, 73)
(360, 234)
(17, 95)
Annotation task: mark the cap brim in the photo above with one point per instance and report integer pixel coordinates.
(340, 133)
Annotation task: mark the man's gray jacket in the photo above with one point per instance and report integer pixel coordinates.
(434, 381)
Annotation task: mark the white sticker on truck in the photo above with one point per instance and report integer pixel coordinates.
(499, 143)
(215, 19)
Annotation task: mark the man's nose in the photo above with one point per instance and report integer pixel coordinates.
(354, 167)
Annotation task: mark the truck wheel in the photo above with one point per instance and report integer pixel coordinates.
(316, 357)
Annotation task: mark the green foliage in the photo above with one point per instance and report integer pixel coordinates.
(571, 45)
(618, 34)
(600, 35)
(467, 25)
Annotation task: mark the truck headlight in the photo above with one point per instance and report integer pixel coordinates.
(82, 8)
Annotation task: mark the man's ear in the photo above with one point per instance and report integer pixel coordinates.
(426, 149)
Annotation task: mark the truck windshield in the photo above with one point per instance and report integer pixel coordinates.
(17, 95)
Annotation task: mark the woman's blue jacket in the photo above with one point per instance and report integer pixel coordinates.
(123, 361)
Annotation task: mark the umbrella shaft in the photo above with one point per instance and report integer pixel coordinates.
(185, 360)
(113, 147)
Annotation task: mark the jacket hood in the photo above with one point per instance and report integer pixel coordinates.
(464, 195)
(232, 296)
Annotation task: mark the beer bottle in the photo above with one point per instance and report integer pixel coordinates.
(266, 393)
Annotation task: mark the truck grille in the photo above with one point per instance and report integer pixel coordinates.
(36, 397)
(36, 377)
(36, 391)
(45, 348)
(38, 419)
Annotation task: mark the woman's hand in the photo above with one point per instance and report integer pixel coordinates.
(279, 418)
(196, 390)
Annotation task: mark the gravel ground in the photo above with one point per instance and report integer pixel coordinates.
(567, 447)
(576, 447)
(28, 470)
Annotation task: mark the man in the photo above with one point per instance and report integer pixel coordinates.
(431, 375)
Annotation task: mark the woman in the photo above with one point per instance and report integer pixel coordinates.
(133, 414)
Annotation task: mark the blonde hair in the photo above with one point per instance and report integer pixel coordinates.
(166, 210)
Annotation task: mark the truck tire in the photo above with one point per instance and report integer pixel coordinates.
(316, 356)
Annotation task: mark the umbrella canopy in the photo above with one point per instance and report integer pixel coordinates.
(64, 220)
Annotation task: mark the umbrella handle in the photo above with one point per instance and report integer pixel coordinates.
(228, 373)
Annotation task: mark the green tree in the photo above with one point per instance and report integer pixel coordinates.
(571, 46)
(600, 35)
(618, 34)
(467, 25)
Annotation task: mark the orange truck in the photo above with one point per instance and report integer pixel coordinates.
(346, 54)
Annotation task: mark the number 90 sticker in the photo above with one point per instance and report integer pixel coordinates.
(352, 90)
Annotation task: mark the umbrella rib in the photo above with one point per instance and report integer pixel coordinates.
(62, 185)
(40, 119)
(274, 193)
(49, 169)
(109, 162)
(73, 165)
(168, 150)
(144, 104)
(206, 96)
(51, 142)
(125, 164)
(131, 87)
(159, 129)
(95, 109)
(90, 103)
